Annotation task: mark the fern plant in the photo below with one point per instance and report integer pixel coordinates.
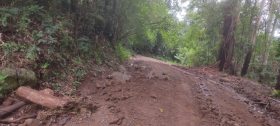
(2, 84)
(6, 13)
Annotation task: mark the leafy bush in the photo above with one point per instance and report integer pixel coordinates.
(6, 13)
(32, 52)
(84, 45)
(11, 47)
(123, 53)
(2, 87)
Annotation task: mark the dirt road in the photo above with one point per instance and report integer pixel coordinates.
(149, 92)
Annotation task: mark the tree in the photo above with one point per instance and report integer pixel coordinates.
(270, 29)
(231, 17)
(277, 86)
(254, 27)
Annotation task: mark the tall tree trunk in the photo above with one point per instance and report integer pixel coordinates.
(231, 16)
(255, 28)
(269, 41)
(74, 11)
(75, 17)
(277, 86)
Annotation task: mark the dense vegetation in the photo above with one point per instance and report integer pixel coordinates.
(44, 35)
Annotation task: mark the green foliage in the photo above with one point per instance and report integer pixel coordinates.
(6, 13)
(10, 47)
(3, 85)
(2, 77)
(22, 16)
(45, 65)
(32, 52)
(276, 93)
(98, 57)
(56, 87)
(84, 45)
(25, 16)
(123, 53)
(79, 74)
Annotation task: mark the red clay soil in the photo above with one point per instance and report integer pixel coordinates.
(148, 92)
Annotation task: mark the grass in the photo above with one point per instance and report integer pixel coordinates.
(123, 53)
(276, 93)
(167, 60)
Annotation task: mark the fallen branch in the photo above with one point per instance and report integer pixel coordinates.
(8, 121)
(9, 109)
(274, 100)
(41, 98)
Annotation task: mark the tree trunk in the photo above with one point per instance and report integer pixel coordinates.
(247, 62)
(249, 54)
(277, 86)
(269, 41)
(231, 16)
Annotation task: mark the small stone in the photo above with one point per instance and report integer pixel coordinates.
(154, 96)
(118, 121)
(100, 86)
(104, 93)
(107, 99)
(125, 98)
(166, 78)
(122, 69)
(63, 121)
(224, 80)
(31, 122)
(83, 110)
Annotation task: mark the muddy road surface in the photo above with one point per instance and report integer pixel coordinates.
(149, 92)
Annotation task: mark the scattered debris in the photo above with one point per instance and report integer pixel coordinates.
(31, 122)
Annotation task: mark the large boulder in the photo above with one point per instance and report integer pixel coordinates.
(11, 79)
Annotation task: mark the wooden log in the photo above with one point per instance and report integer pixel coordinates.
(41, 98)
(9, 109)
(8, 121)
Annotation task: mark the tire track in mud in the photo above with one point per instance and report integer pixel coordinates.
(221, 103)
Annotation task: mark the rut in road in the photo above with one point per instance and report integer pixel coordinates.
(149, 92)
